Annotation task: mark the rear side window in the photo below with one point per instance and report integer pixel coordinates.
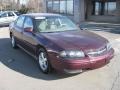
(28, 23)
(20, 21)
(10, 14)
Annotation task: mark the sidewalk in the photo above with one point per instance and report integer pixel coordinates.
(107, 27)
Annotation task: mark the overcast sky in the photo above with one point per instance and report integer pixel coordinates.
(23, 1)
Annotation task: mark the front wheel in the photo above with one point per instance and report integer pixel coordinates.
(44, 63)
(13, 42)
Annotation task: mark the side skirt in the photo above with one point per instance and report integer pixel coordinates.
(27, 52)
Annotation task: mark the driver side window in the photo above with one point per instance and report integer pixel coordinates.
(4, 15)
(19, 21)
(28, 23)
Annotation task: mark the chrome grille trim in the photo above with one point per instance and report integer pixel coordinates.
(97, 52)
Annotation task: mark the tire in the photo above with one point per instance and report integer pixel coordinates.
(43, 61)
(13, 42)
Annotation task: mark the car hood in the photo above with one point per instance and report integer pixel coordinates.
(76, 40)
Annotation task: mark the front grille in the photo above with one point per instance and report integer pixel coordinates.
(97, 52)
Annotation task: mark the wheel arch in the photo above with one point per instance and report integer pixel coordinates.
(38, 48)
(50, 64)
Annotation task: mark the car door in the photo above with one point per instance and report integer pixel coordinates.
(18, 29)
(29, 37)
(3, 19)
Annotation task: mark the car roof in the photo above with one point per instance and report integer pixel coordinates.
(34, 15)
(7, 11)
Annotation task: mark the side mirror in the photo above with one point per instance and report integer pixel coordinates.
(83, 28)
(28, 29)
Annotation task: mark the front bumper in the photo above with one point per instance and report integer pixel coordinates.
(77, 66)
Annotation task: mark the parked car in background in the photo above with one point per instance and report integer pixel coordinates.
(0, 12)
(7, 17)
(57, 43)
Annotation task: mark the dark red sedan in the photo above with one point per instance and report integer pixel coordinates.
(57, 43)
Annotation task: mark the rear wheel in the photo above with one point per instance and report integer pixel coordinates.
(44, 63)
(13, 42)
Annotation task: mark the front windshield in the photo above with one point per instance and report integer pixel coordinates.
(55, 24)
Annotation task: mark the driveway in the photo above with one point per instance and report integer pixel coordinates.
(18, 71)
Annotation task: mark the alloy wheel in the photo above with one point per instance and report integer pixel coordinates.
(43, 61)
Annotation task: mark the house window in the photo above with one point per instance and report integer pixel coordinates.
(110, 8)
(97, 8)
(56, 6)
(70, 5)
(60, 6)
(63, 6)
(103, 8)
(50, 6)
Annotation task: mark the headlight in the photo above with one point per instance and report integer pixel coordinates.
(72, 54)
(109, 46)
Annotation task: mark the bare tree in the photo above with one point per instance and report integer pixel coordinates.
(9, 5)
(35, 5)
